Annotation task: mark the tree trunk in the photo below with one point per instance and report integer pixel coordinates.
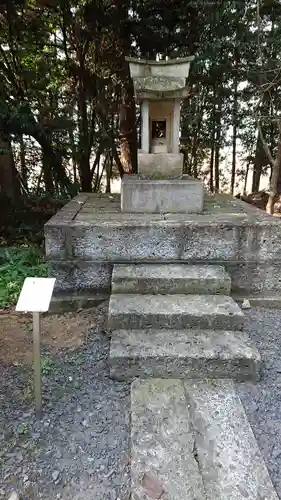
(48, 176)
(73, 155)
(127, 121)
(234, 136)
(84, 154)
(84, 125)
(195, 144)
(23, 166)
(100, 179)
(54, 160)
(53, 171)
(124, 124)
(217, 168)
(74, 168)
(276, 168)
(97, 174)
(212, 168)
(194, 167)
(127, 112)
(233, 166)
(217, 148)
(259, 157)
(186, 163)
(246, 178)
(47, 173)
(275, 164)
(9, 180)
(39, 181)
(213, 136)
(196, 135)
(109, 164)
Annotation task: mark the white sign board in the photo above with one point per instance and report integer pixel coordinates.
(36, 295)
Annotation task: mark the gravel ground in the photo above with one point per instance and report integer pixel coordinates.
(80, 449)
(262, 401)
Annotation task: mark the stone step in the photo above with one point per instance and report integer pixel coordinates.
(170, 279)
(193, 441)
(183, 354)
(136, 312)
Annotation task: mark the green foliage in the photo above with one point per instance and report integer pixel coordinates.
(23, 429)
(24, 225)
(47, 366)
(63, 77)
(16, 264)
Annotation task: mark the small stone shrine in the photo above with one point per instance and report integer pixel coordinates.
(160, 186)
(170, 267)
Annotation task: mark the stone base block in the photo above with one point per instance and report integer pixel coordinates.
(160, 165)
(161, 196)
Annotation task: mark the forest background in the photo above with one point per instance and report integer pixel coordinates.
(68, 120)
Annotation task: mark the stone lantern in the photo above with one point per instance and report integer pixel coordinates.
(160, 87)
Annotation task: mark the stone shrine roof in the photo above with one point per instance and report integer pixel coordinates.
(162, 62)
(164, 79)
(159, 83)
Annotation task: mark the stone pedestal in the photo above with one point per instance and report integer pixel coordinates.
(160, 165)
(161, 196)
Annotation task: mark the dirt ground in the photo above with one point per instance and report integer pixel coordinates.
(68, 330)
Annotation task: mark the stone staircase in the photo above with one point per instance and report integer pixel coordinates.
(178, 336)
(177, 321)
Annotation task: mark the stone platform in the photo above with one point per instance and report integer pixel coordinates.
(90, 234)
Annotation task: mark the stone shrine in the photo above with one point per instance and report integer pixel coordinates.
(160, 186)
(172, 267)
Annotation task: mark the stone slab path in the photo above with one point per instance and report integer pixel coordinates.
(195, 442)
(262, 401)
(162, 442)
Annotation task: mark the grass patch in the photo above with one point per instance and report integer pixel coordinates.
(16, 264)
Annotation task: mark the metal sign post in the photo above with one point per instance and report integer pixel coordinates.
(37, 363)
(35, 297)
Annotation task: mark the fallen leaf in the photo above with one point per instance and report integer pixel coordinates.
(152, 485)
